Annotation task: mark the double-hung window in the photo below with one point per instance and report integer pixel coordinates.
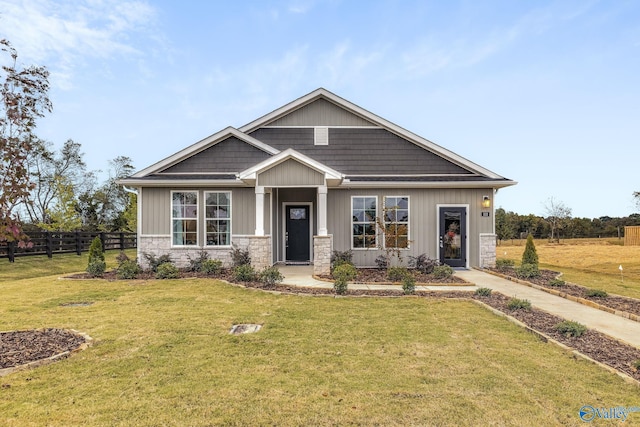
(363, 213)
(218, 218)
(396, 222)
(184, 218)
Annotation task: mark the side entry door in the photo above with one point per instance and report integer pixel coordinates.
(453, 236)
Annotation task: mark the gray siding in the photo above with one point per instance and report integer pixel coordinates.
(354, 151)
(156, 208)
(423, 220)
(230, 155)
(321, 113)
(290, 173)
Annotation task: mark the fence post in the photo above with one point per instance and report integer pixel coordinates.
(11, 251)
(49, 244)
(121, 241)
(102, 240)
(78, 244)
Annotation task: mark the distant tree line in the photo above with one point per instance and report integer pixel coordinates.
(510, 225)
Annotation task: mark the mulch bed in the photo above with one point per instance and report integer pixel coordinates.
(24, 346)
(619, 303)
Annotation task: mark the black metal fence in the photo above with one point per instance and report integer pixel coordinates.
(50, 243)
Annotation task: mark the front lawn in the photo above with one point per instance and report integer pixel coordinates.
(163, 356)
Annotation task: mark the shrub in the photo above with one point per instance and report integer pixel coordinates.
(96, 268)
(244, 273)
(211, 267)
(195, 264)
(596, 293)
(155, 262)
(442, 271)
(167, 271)
(339, 258)
(423, 263)
(240, 257)
(530, 256)
(122, 257)
(408, 284)
(556, 282)
(95, 250)
(570, 328)
(382, 262)
(484, 292)
(342, 274)
(271, 276)
(397, 274)
(504, 264)
(128, 269)
(636, 364)
(519, 304)
(527, 271)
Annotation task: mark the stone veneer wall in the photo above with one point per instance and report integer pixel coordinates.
(487, 250)
(322, 249)
(260, 251)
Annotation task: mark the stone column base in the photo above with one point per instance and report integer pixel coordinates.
(487, 250)
(322, 249)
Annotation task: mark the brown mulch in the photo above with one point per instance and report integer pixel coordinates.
(24, 346)
(20, 347)
(615, 302)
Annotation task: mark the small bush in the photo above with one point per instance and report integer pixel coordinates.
(408, 284)
(423, 263)
(128, 269)
(570, 328)
(244, 273)
(339, 258)
(122, 257)
(95, 250)
(527, 271)
(271, 276)
(530, 256)
(342, 274)
(240, 257)
(211, 267)
(557, 283)
(442, 271)
(636, 365)
(96, 268)
(484, 292)
(519, 304)
(155, 262)
(596, 293)
(504, 264)
(195, 264)
(382, 262)
(397, 274)
(167, 271)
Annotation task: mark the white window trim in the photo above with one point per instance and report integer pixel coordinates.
(230, 195)
(375, 224)
(171, 218)
(384, 240)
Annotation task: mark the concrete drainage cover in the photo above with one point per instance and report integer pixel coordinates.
(244, 328)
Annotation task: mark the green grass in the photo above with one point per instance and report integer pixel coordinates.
(163, 356)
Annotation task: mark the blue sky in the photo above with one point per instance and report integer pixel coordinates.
(545, 93)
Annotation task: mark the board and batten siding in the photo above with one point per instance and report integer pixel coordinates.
(290, 173)
(423, 219)
(321, 113)
(156, 210)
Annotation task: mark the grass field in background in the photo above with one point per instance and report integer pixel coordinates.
(590, 262)
(163, 356)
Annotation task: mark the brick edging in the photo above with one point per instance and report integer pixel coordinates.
(564, 295)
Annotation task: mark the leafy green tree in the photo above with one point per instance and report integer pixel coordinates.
(23, 99)
(63, 215)
(505, 224)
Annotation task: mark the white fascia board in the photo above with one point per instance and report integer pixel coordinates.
(440, 184)
(289, 153)
(369, 116)
(203, 145)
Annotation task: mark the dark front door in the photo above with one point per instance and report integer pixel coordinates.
(453, 236)
(297, 234)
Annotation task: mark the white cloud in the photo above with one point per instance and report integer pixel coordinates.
(65, 35)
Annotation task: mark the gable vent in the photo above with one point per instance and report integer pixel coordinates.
(321, 135)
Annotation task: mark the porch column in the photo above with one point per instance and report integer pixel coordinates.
(259, 211)
(322, 210)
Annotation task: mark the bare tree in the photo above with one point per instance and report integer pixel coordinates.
(556, 215)
(23, 99)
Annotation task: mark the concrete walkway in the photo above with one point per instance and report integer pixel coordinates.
(615, 326)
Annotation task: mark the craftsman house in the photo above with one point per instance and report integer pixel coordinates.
(316, 175)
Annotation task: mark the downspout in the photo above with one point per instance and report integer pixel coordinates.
(130, 190)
